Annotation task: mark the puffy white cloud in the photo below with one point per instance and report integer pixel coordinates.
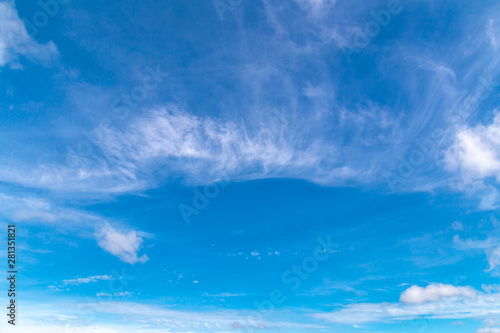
(434, 292)
(15, 41)
(461, 306)
(475, 156)
(476, 151)
(124, 245)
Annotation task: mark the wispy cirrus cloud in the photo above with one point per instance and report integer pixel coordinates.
(493, 31)
(36, 209)
(223, 295)
(161, 319)
(118, 294)
(330, 287)
(490, 246)
(90, 279)
(316, 7)
(214, 148)
(173, 143)
(15, 41)
(322, 128)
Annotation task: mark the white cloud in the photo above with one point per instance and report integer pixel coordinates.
(326, 140)
(461, 306)
(491, 246)
(491, 288)
(489, 330)
(493, 33)
(43, 328)
(54, 288)
(316, 7)
(15, 41)
(225, 148)
(200, 149)
(223, 295)
(323, 146)
(159, 319)
(124, 245)
(457, 226)
(494, 258)
(434, 292)
(89, 279)
(329, 287)
(32, 208)
(475, 156)
(118, 294)
(95, 175)
(204, 149)
(476, 151)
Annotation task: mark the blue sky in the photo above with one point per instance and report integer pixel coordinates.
(247, 166)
